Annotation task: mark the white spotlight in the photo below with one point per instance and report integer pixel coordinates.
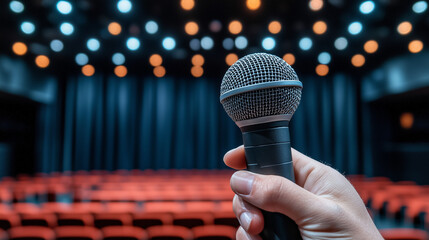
(27, 27)
(355, 28)
(268, 43)
(67, 28)
(169, 43)
(151, 27)
(56, 45)
(124, 6)
(207, 43)
(420, 6)
(64, 7)
(367, 7)
(93, 44)
(133, 43)
(16, 6)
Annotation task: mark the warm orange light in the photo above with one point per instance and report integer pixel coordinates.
(159, 71)
(253, 4)
(289, 58)
(370, 46)
(274, 27)
(231, 59)
(358, 60)
(155, 60)
(42, 61)
(88, 70)
(197, 60)
(114, 28)
(405, 28)
(19, 48)
(322, 70)
(320, 27)
(187, 4)
(406, 120)
(121, 71)
(235, 27)
(415, 46)
(315, 5)
(191, 28)
(197, 71)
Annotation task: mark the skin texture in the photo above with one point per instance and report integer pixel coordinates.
(323, 203)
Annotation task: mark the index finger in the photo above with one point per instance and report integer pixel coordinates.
(235, 158)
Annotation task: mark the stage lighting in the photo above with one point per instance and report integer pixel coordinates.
(67, 28)
(42, 61)
(341, 43)
(253, 4)
(315, 5)
(370, 46)
(322, 70)
(191, 28)
(133, 43)
(241, 42)
(114, 28)
(415, 46)
(93, 44)
(324, 58)
(207, 43)
(406, 120)
(289, 58)
(124, 6)
(405, 28)
(194, 44)
(16, 6)
(228, 43)
(305, 43)
(169, 43)
(420, 6)
(187, 4)
(151, 27)
(121, 71)
(88, 70)
(197, 60)
(64, 7)
(155, 60)
(367, 7)
(320, 27)
(197, 71)
(231, 59)
(81, 59)
(268, 43)
(27, 27)
(274, 27)
(19, 48)
(56, 45)
(118, 59)
(215, 26)
(159, 71)
(355, 28)
(358, 60)
(235, 27)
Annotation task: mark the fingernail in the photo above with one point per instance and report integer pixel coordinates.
(241, 182)
(245, 220)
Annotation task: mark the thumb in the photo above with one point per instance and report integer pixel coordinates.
(277, 194)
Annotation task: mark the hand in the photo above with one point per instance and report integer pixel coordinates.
(323, 203)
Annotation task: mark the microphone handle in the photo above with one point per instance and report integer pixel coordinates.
(268, 151)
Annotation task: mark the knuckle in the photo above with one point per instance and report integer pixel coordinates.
(272, 191)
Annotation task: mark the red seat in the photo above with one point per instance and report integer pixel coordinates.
(75, 219)
(124, 233)
(88, 207)
(23, 208)
(226, 218)
(112, 219)
(198, 206)
(31, 232)
(78, 233)
(122, 207)
(145, 220)
(192, 219)
(404, 234)
(9, 220)
(56, 207)
(39, 219)
(169, 233)
(169, 207)
(214, 232)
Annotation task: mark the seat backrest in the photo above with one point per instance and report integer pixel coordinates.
(124, 233)
(9, 220)
(169, 232)
(214, 232)
(192, 219)
(75, 219)
(78, 233)
(31, 232)
(404, 234)
(226, 218)
(112, 219)
(39, 219)
(145, 220)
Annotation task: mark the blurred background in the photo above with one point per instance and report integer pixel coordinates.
(123, 87)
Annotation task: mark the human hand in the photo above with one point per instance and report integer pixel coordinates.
(323, 203)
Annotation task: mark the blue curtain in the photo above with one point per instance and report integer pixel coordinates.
(125, 123)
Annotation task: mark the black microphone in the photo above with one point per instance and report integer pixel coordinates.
(260, 92)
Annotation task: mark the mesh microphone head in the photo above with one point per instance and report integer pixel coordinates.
(260, 85)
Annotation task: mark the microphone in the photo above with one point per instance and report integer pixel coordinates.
(260, 93)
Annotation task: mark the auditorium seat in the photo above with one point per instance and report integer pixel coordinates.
(226, 218)
(145, 220)
(9, 220)
(31, 233)
(112, 219)
(404, 234)
(122, 207)
(169, 232)
(88, 207)
(75, 219)
(23, 208)
(214, 232)
(77, 233)
(39, 219)
(200, 206)
(56, 207)
(192, 219)
(124, 233)
(169, 207)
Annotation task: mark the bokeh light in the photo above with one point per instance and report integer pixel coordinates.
(268, 43)
(159, 71)
(42, 61)
(28, 27)
(56, 45)
(404, 28)
(315, 5)
(231, 59)
(194, 44)
(215, 26)
(322, 70)
(207, 43)
(370, 46)
(367, 7)
(253, 4)
(187, 4)
(114, 28)
(305, 43)
(289, 58)
(88, 70)
(415, 46)
(406, 120)
(169, 43)
(81, 59)
(121, 71)
(241, 42)
(64, 7)
(324, 58)
(320, 27)
(197, 71)
(19, 48)
(155, 60)
(191, 28)
(124, 6)
(274, 27)
(93, 44)
(151, 27)
(118, 59)
(358, 60)
(355, 28)
(197, 60)
(16, 6)
(341, 43)
(420, 6)
(235, 27)
(133, 43)
(66, 28)
(228, 43)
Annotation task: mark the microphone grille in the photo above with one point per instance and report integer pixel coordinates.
(254, 69)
